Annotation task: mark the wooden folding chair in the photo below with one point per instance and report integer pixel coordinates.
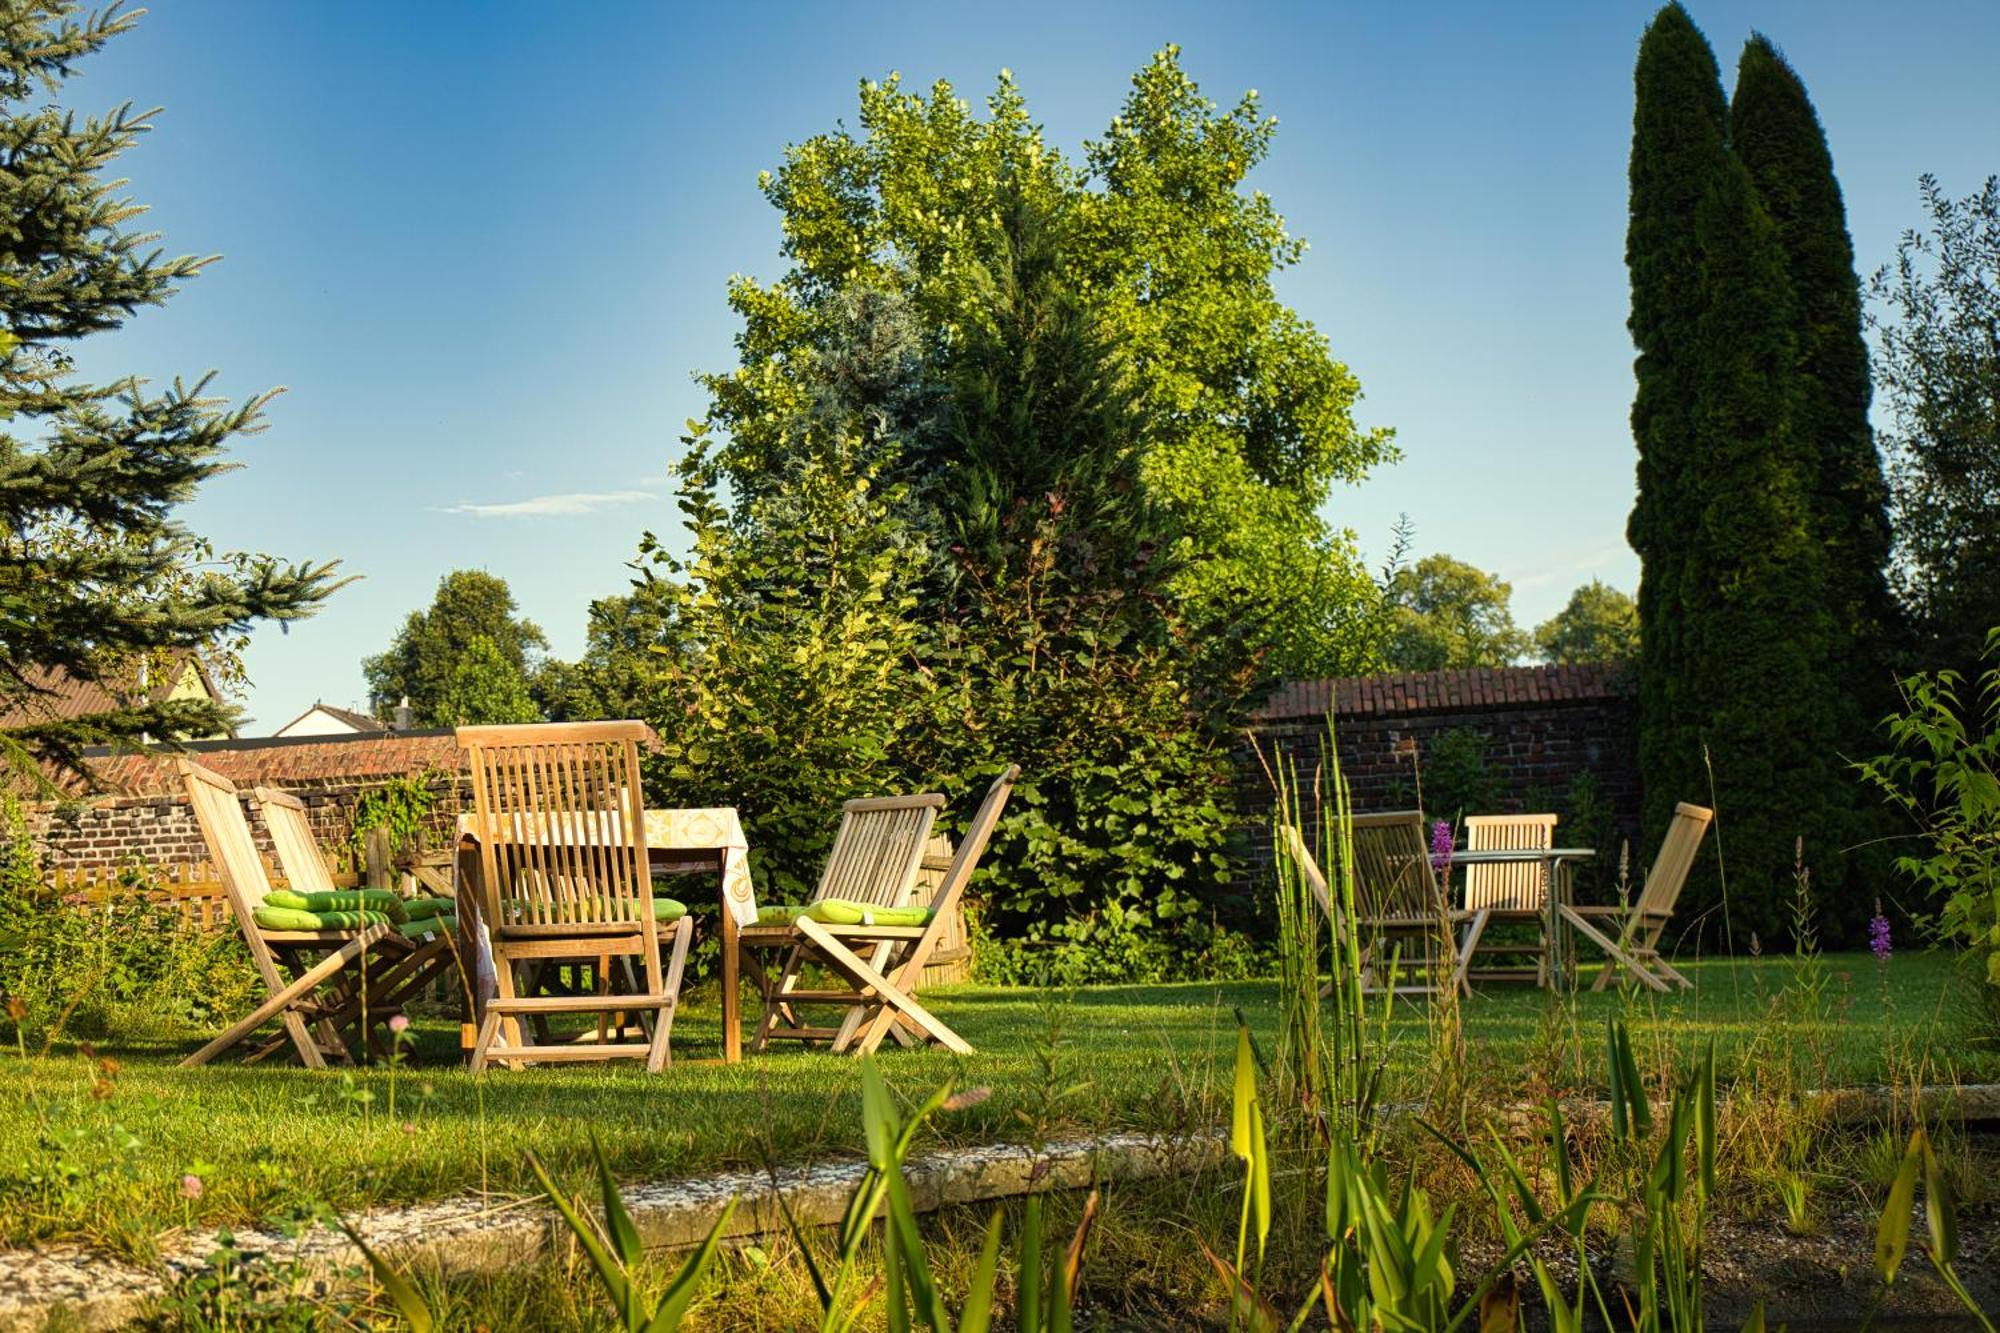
(561, 823)
(883, 986)
(1637, 947)
(1513, 893)
(325, 989)
(876, 854)
(305, 870)
(1397, 902)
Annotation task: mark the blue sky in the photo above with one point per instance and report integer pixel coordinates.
(485, 246)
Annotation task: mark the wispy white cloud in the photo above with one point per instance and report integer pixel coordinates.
(552, 506)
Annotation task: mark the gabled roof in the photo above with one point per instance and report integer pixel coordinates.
(363, 722)
(1446, 691)
(285, 761)
(55, 695)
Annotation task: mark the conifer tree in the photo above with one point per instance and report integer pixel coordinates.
(1776, 133)
(1735, 625)
(96, 576)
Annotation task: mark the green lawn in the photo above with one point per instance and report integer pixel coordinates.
(101, 1158)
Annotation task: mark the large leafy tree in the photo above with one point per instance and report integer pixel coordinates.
(96, 574)
(1599, 623)
(467, 658)
(1937, 358)
(1247, 418)
(1444, 614)
(1776, 133)
(1735, 614)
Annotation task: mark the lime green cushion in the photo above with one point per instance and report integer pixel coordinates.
(842, 912)
(429, 925)
(385, 901)
(292, 918)
(422, 907)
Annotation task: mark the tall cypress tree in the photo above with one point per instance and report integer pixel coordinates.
(96, 576)
(1735, 623)
(1776, 134)
(1679, 120)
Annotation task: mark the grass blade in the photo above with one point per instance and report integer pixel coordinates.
(680, 1292)
(409, 1302)
(976, 1316)
(1892, 1233)
(617, 1221)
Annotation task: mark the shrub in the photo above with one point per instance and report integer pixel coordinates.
(1943, 772)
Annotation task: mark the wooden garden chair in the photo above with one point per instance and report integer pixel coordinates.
(561, 824)
(1636, 948)
(882, 966)
(1397, 901)
(877, 852)
(430, 956)
(1514, 893)
(324, 989)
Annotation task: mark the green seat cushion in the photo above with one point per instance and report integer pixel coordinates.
(429, 925)
(293, 918)
(842, 912)
(385, 901)
(422, 907)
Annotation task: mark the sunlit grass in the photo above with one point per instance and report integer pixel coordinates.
(103, 1158)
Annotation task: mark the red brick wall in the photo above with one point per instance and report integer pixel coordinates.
(1544, 725)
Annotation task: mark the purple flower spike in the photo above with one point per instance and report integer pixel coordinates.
(1441, 847)
(1878, 935)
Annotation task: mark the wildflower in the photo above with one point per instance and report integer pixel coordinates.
(1441, 847)
(1878, 934)
(190, 1186)
(102, 1090)
(399, 1023)
(17, 1009)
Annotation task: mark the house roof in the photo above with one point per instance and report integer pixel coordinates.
(1400, 693)
(295, 762)
(285, 761)
(358, 721)
(56, 695)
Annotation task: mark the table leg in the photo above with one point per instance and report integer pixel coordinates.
(732, 1018)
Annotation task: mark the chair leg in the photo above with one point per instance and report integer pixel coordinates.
(1464, 962)
(282, 1003)
(857, 971)
(857, 1014)
(1613, 951)
(659, 1056)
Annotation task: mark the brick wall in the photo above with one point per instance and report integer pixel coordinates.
(139, 814)
(1543, 726)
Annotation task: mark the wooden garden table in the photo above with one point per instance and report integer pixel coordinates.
(685, 841)
(1557, 863)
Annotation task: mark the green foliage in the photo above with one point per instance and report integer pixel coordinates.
(1939, 368)
(1737, 618)
(402, 805)
(1943, 773)
(1457, 778)
(1599, 623)
(1444, 614)
(1776, 133)
(618, 674)
(466, 659)
(96, 574)
(616, 1250)
(128, 965)
(1247, 418)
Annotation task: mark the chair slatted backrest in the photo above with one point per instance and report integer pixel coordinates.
(291, 837)
(1392, 866)
(963, 863)
(561, 821)
(219, 813)
(878, 849)
(1517, 887)
(1676, 859)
